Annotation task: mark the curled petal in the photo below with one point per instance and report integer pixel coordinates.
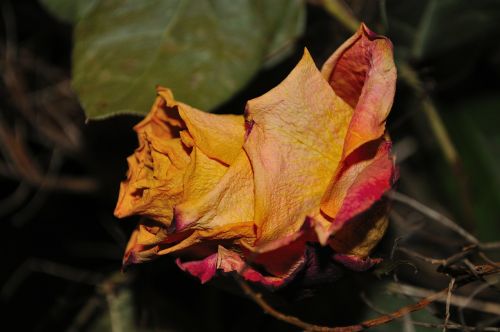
(227, 261)
(154, 180)
(356, 263)
(361, 181)
(154, 183)
(143, 244)
(218, 136)
(362, 72)
(203, 269)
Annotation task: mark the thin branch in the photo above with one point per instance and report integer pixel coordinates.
(456, 300)
(342, 12)
(429, 260)
(448, 303)
(48, 267)
(450, 326)
(433, 214)
(490, 246)
(23, 167)
(458, 327)
(339, 10)
(257, 298)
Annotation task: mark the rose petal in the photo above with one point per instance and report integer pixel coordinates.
(361, 234)
(218, 136)
(362, 72)
(145, 239)
(226, 261)
(203, 269)
(356, 263)
(202, 175)
(229, 261)
(361, 181)
(235, 232)
(294, 146)
(154, 180)
(197, 240)
(231, 200)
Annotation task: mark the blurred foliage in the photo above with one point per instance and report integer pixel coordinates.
(473, 123)
(215, 55)
(205, 51)
(69, 11)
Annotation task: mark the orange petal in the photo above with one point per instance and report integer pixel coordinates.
(156, 170)
(362, 72)
(234, 232)
(294, 145)
(219, 203)
(218, 136)
(154, 180)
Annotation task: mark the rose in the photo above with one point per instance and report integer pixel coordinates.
(308, 163)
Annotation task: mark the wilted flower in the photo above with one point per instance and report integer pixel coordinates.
(307, 163)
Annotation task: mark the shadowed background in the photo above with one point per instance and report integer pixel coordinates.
(60, 177)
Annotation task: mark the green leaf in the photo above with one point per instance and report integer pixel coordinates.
(450, 24)
(70, 11)
(203, 50)
(289, 30)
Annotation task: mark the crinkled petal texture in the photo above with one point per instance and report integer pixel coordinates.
(309, 162)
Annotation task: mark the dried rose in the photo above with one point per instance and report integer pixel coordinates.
(308, 163)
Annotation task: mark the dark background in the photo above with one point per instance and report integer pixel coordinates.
(62, 247)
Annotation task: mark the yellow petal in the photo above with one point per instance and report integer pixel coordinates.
(295, 145)
(218, 136)
(234, 232)
(154, 180)
(202, 175)
(229, 201)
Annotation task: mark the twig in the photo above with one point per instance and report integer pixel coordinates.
(257, 298)
(470, 298)
(488, 260)
(456, 300)
(490, 246)
(48, 267)
(85, 314)
(433, 214)
(341, 12)
(448, 303)
(23, 167)
(429, 260)
(410, 76)
(458, 327)
(450, 326)
(15, 200)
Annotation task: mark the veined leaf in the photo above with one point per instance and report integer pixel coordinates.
(203, 50)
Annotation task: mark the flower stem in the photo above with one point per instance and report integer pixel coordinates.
(339, 10)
